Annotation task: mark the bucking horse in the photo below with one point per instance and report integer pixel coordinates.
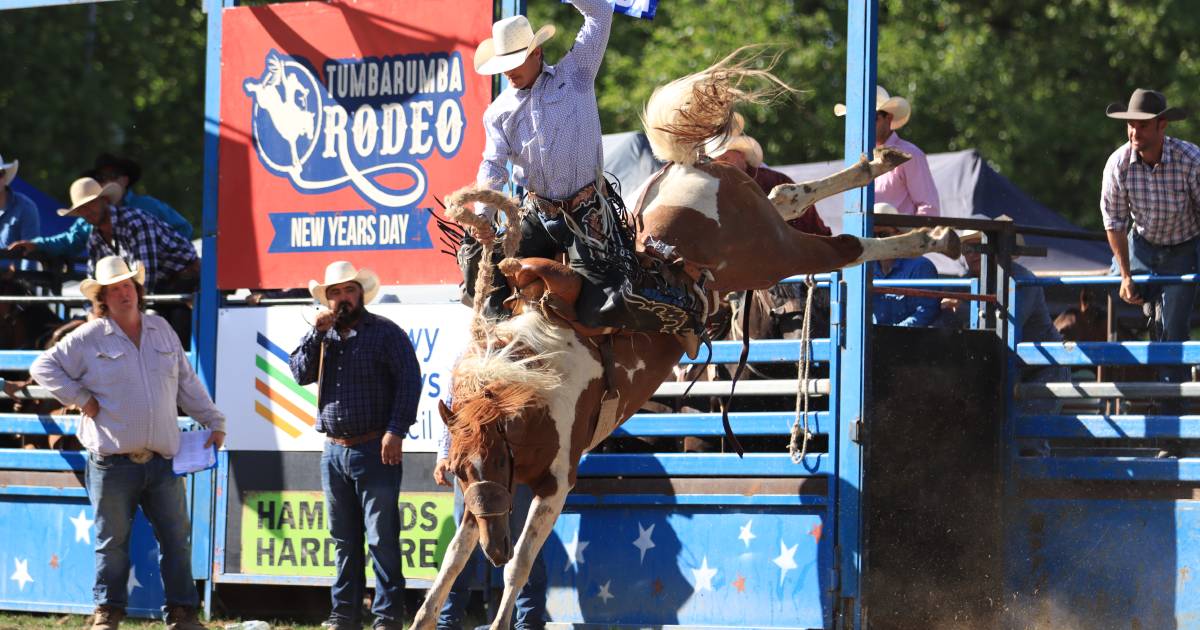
(534, 392)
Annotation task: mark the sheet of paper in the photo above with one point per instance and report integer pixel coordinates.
(193, 456)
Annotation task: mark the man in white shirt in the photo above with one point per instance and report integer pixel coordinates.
(128, 372)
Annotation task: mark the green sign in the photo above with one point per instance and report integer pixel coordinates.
(287, 533)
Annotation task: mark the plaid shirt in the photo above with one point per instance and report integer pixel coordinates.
(1162, 200)
(139, 237)
(371, 381)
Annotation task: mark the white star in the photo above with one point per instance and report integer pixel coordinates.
(746, 536)
(132, 582)
(643, 541)
(83, 527)
(704, 576)
(21, 574)
(605, 594)
(786, 560)
(575, 552)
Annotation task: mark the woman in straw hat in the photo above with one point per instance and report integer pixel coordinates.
(909, 187)
(547, 125)
(129, 373)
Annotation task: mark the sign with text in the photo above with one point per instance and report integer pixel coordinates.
(340, 125)
(287, 533)
(269, 410)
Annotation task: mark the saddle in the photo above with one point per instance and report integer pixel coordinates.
(554, 288)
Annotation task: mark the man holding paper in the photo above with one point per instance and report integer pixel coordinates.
(128, 372)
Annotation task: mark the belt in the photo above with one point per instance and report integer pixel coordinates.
(357, 439)
(553, 206)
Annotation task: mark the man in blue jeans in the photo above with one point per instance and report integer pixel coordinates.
(1150, 200)
(128, 372)
(368, 383)
(530, 611)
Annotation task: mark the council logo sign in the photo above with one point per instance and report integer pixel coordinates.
(368, 126)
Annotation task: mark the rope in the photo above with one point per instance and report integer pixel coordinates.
(460, 212)
(798, 445)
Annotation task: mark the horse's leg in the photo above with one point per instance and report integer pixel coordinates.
(792, 199)
(543, 512)
(809, 253)
(459, 551)
(942, 240)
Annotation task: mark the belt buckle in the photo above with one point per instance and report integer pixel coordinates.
(140, 457)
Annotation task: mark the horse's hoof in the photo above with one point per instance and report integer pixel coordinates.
(947, 242)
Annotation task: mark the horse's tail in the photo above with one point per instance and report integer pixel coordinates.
(687, 112)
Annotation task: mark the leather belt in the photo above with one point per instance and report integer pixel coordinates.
(553, 206)
(355, 440)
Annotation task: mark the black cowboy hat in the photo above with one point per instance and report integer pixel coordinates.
(1144, 105)
(122, 165)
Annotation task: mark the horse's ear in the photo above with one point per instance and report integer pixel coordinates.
(447, 415)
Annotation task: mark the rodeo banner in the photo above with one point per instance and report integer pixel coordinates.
(340, 125)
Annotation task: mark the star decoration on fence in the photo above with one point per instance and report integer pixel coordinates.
(83, 527)
(786, 560)
(643, 542)
(704, 576)
(21, 573)
(605, 594)
(574, 551)
(746, 535)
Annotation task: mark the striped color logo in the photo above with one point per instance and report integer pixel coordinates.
(288, 406)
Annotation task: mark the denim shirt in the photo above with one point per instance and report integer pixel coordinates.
(905, 310)
(19, 221)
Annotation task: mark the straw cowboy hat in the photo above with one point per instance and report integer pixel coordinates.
(897, 106)
(736, 141)
(511, 42)
(340, 271)
(1144, 105)
(9, 169)
(111, 270)
(86, 189)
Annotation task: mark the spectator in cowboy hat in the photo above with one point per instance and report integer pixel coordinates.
(892, 309)
(909, 187)
(129, 373)
(125, 173)
(368, 384)
(19, 220)
(745, 153)
(1150, 200)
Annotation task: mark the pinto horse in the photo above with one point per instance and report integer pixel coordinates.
(533, 393)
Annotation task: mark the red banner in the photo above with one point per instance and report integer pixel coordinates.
(340, 124)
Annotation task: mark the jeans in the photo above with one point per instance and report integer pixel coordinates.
(361, 492)
(116, 487)
(1174, 301)
(530, 609)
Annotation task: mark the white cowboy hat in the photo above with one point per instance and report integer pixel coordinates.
(340, 271)
(511, 42)
(897, 106)
(885, 208)
(10, 171)
(111, 270)
(736, 141)
(86, 189)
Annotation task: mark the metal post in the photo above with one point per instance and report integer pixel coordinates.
(854, 359)
(204, 328)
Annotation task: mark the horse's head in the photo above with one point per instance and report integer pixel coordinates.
(482, 460)
(1083, 323)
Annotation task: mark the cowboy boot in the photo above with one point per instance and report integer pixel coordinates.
(106, 618)
(183, 618)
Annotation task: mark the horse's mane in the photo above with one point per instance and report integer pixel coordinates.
(512, 370)
(687, 112)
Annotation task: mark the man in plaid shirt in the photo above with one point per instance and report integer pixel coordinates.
(368, 384)
(1152, 184)
(170, 261)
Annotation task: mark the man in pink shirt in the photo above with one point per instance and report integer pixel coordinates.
(910, 187)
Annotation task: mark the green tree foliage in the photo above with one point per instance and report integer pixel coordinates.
(124, 77)
(1024, 82)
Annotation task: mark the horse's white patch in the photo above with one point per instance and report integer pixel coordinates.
(686, 187)
(630, 371)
